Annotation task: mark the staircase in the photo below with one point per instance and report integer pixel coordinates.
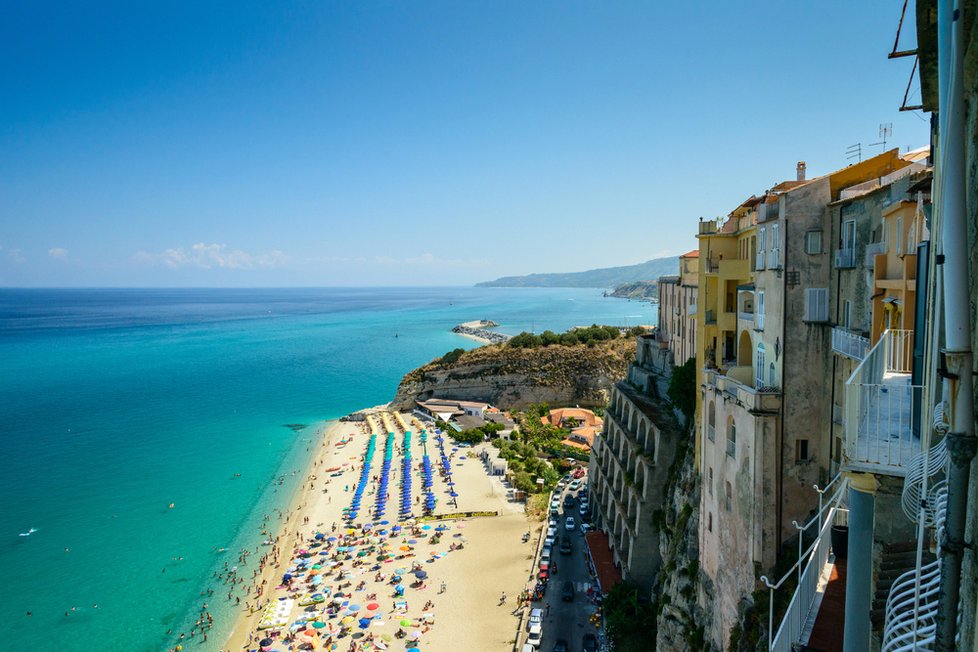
(897, 559)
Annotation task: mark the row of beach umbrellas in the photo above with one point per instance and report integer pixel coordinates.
(354, 510)
(406, 477)
(381, 505)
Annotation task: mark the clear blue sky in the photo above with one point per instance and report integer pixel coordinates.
(256, 143)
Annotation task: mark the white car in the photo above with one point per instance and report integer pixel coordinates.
(536, 618)
(574, 486)
(535, 637)
(583, 508)
(545, 555)
(569, 524)
(549, 541)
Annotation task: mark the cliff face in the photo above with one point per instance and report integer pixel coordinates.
(683, 621)
(513, 378)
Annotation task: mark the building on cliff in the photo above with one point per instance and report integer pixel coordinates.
(904, 430)
(763, 354)
(630, 460)
(677, 309)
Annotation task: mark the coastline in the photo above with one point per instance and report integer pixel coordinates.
(469, 612)
(247, 619)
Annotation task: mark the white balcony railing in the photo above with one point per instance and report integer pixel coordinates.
(873, 250)
(882, 406)
(911, 608)
(845, 258)
(808, 568)
(849, 344)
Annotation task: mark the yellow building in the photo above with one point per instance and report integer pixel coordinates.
(726, 259)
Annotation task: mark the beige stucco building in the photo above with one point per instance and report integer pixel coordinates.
(677, 309)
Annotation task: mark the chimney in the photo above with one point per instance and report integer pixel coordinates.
(801, 170)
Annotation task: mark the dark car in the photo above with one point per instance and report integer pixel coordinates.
(561, 646)
(567, 592)
(568, 501)
(566, 547)
(589, 643)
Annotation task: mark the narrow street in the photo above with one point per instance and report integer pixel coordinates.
(567, 620)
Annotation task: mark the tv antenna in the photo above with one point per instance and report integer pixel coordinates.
(855, 152)
(886, 130)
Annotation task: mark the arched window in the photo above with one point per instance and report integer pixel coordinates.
(711, 426)
(731, 438)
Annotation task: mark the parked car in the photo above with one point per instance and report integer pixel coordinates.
(535, 636)
(545, 555)
(585, 528)
(583, 509)
(561, 646)
(574, 486)
(567, 591)
(528, 648)
(555, 502)
(570, 524)
(568, 501)
(536, 618)
(566, 547)
(589, 643)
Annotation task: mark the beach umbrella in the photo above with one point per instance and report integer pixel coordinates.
(266, 642)
(413, 541)
(373, 606)
(416, 634)
(406, 623)
(347, 621)
(320, 536)
(365, 622)
(318, 624)
(354, 607)
(421, 575)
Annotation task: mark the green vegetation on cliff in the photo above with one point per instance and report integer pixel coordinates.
(588, 335)
(637, 290)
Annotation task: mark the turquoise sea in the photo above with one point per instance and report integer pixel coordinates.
(116, 403)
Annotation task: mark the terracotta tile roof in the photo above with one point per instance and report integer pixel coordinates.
(604, 566)
(695, 253)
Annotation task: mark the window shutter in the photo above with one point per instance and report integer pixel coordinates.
(817, 304)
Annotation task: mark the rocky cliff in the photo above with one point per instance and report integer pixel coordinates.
(680, 591)
(513, 378)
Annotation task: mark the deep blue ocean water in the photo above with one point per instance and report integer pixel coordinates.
(116, 403)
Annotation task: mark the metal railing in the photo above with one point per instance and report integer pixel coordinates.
(845, 258)
(847, 343)
(911, 608)
(808, 570)
(873, 250)
(882, 406)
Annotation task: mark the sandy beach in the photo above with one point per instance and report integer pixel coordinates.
(473, 562)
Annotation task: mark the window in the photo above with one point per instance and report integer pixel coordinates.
(759, 366)
(711, 432)
(759, 312)
(801, 450)
(710, 486)
(816, 304)
(770, 376)
(813, 242)
(728, 499)
(709, 522)
(774, 255)
(899, 235)
(761, 246)
(731, 438)
(846, 314)
(849, 235)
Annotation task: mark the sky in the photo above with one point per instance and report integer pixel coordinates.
(318, 143)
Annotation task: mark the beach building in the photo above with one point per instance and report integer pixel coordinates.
(677, 309)
(766, 348)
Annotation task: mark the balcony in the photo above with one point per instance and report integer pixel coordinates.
(881, 407)
(847, 343)
(735, 385)
(872, 251)
(845, 258)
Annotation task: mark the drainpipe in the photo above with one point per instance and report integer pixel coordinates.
(961, 443)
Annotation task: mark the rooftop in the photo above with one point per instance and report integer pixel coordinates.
(599, 550)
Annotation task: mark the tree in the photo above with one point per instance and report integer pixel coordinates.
(451, 356)
(682, 389)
